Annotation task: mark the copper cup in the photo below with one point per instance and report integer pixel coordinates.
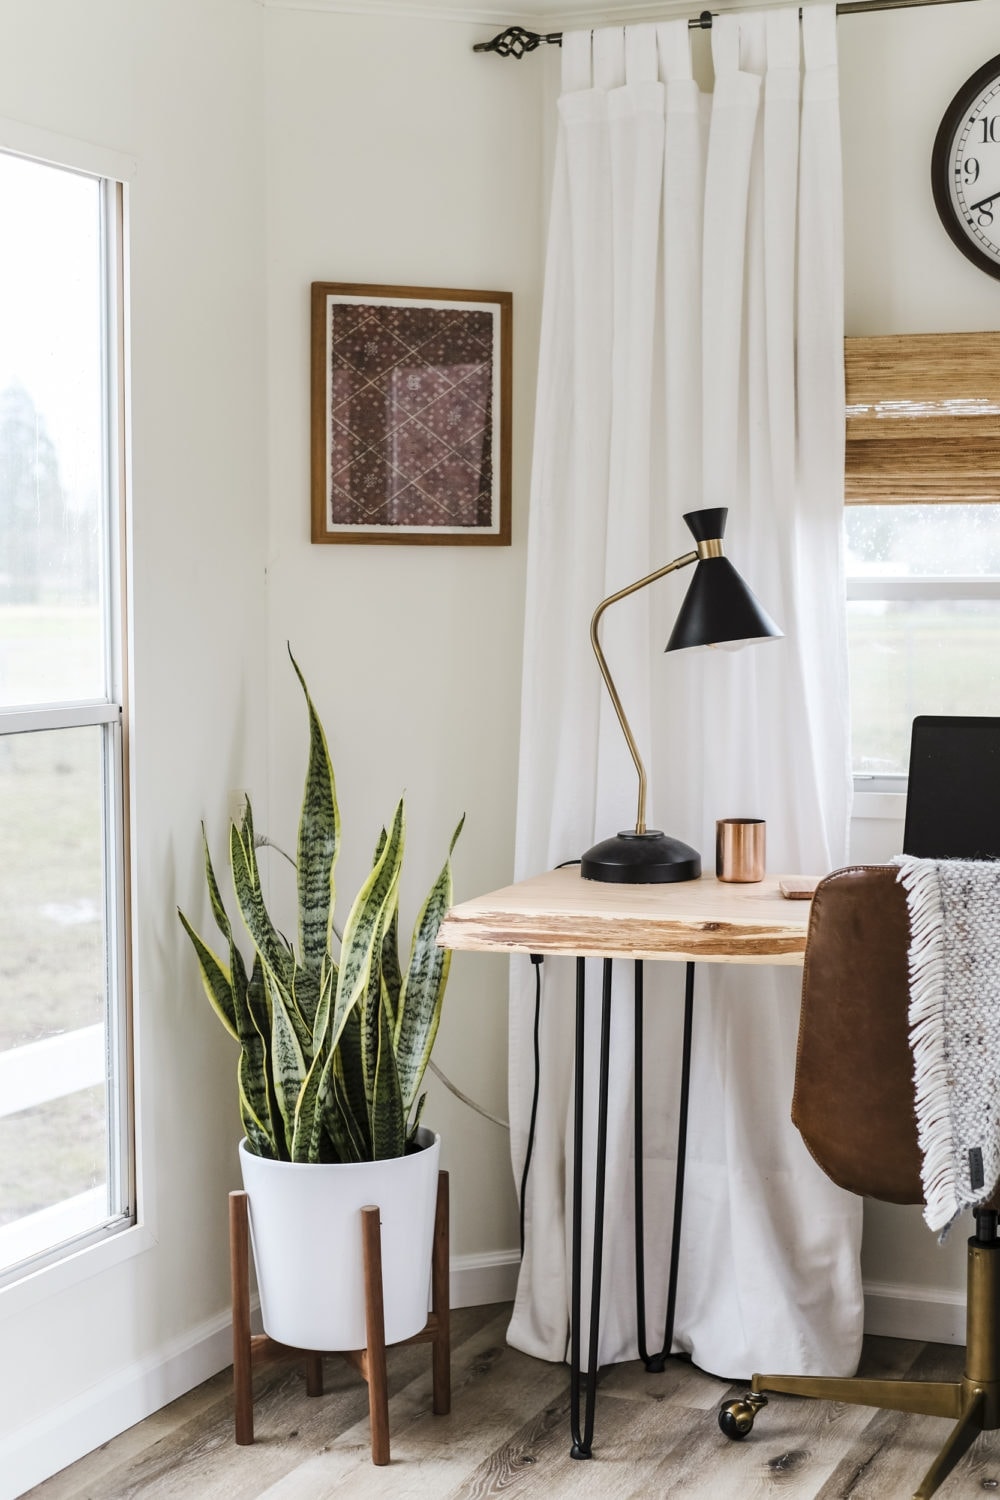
(739, 849)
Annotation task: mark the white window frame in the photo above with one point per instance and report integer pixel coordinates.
(52, 1068)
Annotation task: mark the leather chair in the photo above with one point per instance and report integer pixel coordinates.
(853, 1106)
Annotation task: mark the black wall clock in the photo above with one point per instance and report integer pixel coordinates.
(965, 168)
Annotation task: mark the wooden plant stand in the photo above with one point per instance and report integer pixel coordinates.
(250, 1350)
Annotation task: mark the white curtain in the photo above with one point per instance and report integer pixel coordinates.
(692, 355)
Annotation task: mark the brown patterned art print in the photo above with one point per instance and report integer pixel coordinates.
(411, 394)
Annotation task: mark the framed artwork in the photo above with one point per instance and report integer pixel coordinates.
(411, 397)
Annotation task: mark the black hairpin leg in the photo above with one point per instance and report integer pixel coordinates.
(655, 1363)
(582, 1438)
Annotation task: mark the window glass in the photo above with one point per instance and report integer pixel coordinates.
(923, 541)
(923, 585)
(910, 657)
(52, 426)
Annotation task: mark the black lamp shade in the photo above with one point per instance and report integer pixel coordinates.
(718, 607)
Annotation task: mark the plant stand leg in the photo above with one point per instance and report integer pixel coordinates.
(314, 1374)
(239, 1267)
(441, 1302)
(376, 1374)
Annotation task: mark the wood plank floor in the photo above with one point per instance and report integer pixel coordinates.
(507, 1436)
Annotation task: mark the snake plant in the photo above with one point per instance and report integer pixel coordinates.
(332, 1049)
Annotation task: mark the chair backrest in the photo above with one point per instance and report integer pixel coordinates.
(853, 1100)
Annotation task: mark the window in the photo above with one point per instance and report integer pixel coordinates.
(65, 1152)
(922, 535)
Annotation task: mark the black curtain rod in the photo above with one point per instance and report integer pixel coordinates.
(515, 41)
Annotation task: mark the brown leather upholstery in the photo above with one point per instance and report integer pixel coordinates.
(853, 1100)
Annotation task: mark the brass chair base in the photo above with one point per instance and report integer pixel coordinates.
(973, 1402)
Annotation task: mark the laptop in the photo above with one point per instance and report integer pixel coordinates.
(953, 798)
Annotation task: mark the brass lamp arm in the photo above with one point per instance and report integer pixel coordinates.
(679, 562)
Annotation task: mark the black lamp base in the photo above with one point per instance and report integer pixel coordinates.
(650, 858)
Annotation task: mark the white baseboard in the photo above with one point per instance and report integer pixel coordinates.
(478, 1279)
(79, 1426)
(897, 1311)
(62, 1436)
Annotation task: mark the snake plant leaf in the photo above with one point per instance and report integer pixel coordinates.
(324, 1007)
(415, 1122)
(269, 943)
(387, 1113)
(214, 895)
(265, 937)
(347, 1140)
(215, 977)
(308, 1135)
(259, 1138)
(318, 843)
(424, 985)
(287, 1063)
(369, 1012)
(364, 927)
(306, 994)
(260, 1012)
(391, 971)
(349, 1076)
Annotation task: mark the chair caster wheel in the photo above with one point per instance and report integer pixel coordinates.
(736, 1417)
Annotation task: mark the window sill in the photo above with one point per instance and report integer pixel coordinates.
(38, 1286)
(888, 805)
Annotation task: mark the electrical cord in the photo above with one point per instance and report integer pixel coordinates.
(537, 959)
(504, 1124)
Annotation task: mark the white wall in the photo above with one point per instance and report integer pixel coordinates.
(899, 71)
(397, 156)
(175, 84)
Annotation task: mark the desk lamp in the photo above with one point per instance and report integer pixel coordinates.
(718, 610)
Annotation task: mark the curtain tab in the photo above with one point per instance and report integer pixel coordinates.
(819, 36)
(673, 43)
(726, 45)
(783, 39)
(640, 54)
(576, 66)
(609, 57)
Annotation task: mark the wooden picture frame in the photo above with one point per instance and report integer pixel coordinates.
(411, 412)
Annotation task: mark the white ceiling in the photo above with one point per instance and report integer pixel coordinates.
(536, 15)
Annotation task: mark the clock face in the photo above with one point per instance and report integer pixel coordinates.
(965, 168)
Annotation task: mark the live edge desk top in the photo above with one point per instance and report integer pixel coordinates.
(702, 920)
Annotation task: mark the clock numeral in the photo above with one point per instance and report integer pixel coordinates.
(990, 127)
(971, 169)
(985, 216)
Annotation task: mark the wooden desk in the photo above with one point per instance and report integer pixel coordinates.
(699, 920)
(705, 920)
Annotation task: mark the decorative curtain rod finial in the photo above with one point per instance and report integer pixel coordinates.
(515, 42)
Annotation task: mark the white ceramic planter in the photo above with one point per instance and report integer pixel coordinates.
(305, 1228)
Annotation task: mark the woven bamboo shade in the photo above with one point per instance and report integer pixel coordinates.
(923, 418)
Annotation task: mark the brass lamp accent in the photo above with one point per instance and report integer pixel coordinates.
(718, 610)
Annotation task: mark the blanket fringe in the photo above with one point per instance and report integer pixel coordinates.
(927, 1040)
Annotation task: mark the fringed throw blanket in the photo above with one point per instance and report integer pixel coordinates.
(954, 958)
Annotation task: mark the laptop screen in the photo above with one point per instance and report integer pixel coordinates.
(953, 799)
